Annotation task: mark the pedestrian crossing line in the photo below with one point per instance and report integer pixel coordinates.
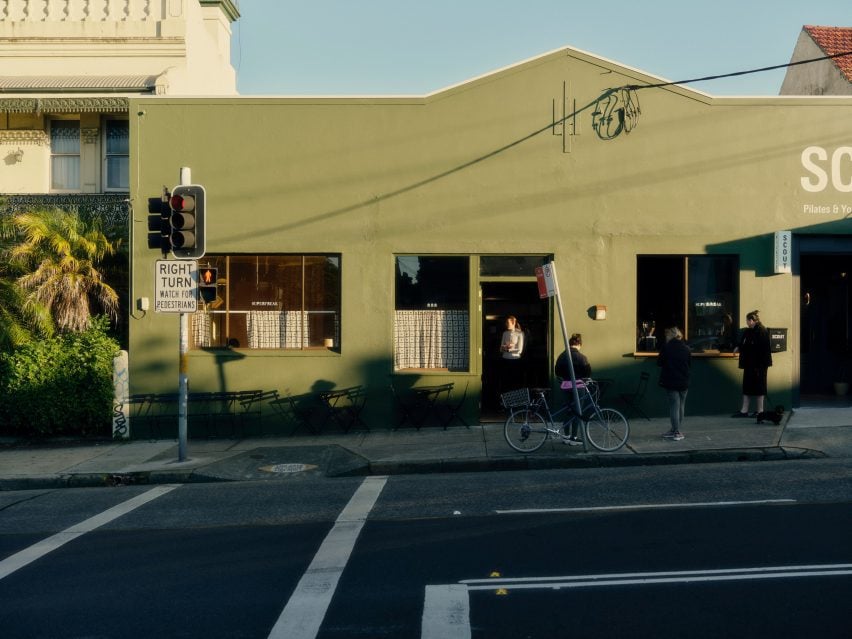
(45, 546)
(305, 611)
(446, 612)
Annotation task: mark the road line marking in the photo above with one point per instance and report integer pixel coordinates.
(649, 578)
(644, 506)
(446, 612)
(305, 611)
(41, 548)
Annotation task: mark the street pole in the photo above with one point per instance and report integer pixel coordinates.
(574, 391)
(183, 359)
(183, 386)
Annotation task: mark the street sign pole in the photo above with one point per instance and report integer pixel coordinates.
(548, 286)
(183, 386)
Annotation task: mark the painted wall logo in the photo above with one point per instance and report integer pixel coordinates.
(824, 170)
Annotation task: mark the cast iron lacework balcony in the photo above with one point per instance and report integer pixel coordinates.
(110, 208)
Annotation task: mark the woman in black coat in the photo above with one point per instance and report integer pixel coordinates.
(755, 358)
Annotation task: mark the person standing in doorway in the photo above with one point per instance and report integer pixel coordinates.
(511, 349)
(755, 359)
(675, 360)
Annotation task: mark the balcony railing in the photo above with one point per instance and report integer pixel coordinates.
(110, 208)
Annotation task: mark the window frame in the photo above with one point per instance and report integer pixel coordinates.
(224, 280)
(106, 156)
(53, 154)
(698, 343)
(472, 266)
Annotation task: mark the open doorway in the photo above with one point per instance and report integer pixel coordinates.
(826, 330)
(521, 299)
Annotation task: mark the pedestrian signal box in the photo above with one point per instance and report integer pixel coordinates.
(207, 279)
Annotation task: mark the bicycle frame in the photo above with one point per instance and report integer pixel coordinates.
(531, 422)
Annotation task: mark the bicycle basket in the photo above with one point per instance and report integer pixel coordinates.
(516, 398)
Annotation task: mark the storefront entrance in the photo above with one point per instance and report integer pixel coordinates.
(825, 267)
(521, 299)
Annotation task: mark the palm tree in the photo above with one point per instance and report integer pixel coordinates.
(57, 257)
(20, 321)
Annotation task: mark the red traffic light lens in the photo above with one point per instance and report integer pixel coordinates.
(182, 203)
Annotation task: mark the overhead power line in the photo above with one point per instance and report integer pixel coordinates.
(736, 73)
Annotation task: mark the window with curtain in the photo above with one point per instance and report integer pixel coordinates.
(117, 155)
(432, 316)
(65, 155)
(697, 293)
(271, 302)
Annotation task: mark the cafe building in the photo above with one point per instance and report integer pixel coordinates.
(371, 241)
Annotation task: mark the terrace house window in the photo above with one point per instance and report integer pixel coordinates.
(65, 155)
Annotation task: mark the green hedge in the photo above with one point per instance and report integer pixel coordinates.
(59, 386)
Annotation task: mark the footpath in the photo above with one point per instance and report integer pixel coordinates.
(806, 433)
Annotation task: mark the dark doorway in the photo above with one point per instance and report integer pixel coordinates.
(521, 299)
(826, 332)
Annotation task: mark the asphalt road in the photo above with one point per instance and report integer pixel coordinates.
(675, 551)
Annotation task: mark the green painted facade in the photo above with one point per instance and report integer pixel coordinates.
(488, 168)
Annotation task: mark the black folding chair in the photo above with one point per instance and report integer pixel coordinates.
(633, 401)
(451, 410)
(405, 407)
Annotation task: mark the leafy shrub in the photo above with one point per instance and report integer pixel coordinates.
(59, 386)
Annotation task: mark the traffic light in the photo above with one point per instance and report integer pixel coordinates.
(187, 204)
(159, 223)
(207, 278)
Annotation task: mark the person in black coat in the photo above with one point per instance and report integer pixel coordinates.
(755, 358)
(675, 360)
(582, 370)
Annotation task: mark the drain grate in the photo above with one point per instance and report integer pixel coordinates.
(287, 468)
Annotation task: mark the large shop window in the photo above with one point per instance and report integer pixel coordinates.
(271, 302)
(432, 316)
(697, 293)
(65, 155)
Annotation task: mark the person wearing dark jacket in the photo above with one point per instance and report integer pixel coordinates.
(582, 370)
(755, 358)
(675, 359)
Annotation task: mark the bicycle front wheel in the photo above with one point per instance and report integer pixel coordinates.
(607, 430)
(525, 431)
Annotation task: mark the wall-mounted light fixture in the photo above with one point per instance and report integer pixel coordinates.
(600, 312)
(18, 156)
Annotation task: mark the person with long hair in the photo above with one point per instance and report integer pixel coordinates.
(755, 359)
(511, 350)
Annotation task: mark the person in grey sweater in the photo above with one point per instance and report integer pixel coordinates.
(675, 359)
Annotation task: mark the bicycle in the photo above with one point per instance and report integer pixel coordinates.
(531, 422)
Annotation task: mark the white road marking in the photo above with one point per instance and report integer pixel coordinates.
(41, 548)
(645, 506)
(648, 578)
(446, 612)
(305, 611)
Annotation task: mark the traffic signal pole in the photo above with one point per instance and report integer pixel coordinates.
(183, 361)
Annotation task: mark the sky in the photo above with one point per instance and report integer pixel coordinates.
(416, 47)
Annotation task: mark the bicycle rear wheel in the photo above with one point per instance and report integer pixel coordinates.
(607, 430)
(525, 431)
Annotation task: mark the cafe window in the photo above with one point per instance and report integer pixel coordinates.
(117, 155)
(697, 293)
(65, 155)
(289, 302)
(432, 313)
